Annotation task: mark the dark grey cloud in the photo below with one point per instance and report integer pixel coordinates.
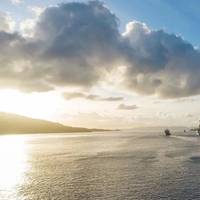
(76, 43)
(93, 97)
(72, 44)
(127, 107)
(78, 40)
(160, 63)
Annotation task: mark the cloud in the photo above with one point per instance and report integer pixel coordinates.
(75, 44)
(16, 1)
(127, 107)
(6, 22)
(183, 100)
(27, 27)
(76, 95)
(189, 116)
(36, 10)
(112, 99)
(71, 45)
(160, 63)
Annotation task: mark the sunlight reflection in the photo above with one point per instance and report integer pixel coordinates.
(13, 156)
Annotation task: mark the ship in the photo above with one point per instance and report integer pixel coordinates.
(197, 130)
(167, 132)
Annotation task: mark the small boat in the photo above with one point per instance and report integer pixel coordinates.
(167, 132)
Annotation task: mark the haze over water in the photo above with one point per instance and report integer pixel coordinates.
(110, 165)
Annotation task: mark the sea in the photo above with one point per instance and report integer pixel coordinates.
(115, 165)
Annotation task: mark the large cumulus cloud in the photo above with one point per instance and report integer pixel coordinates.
(161, 63)
(72, 44)
(75, 43)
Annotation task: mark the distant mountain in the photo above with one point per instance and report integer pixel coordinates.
(12, 123)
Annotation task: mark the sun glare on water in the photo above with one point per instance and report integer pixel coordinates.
(13, 155)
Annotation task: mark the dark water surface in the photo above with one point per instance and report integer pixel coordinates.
(125, 165)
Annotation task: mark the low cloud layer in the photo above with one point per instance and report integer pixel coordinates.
(78, 95)
(127, 107)
(74, 44)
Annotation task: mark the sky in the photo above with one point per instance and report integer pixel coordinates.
(100, 64)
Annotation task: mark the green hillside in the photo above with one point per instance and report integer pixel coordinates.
(12, 123)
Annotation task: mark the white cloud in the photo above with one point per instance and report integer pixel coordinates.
(74, 44)
(7, 24)
(36, 10)
(27, 27)
(16, 1)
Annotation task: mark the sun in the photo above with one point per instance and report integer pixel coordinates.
(36, 105)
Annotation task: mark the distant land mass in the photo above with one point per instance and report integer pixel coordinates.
(12, 123)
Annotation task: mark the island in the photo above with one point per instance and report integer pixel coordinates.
(16, 124)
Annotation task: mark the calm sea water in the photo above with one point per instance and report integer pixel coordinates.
(125, 165)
